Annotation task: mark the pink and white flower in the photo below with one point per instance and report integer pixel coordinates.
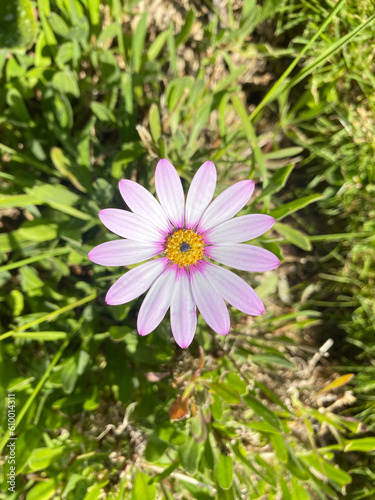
(185, 237)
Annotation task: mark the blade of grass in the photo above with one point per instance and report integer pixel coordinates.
(251, 136)
(275, 90)
(23, 158)
(50, 316)
(29, 260)
(335, 47)
(33, 395)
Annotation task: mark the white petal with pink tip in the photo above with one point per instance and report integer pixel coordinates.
(157, 301)
(141, 202)
(234, 290)
(123, 252)
(130, 225)
(201, 191)
(170, 192)
(135, 282)
(210, 303)
(239, 229)
(226, 205)
(183, 311)
(243, 257)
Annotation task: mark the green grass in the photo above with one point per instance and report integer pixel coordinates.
(93, 95)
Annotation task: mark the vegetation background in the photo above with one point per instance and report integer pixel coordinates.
(278, 91)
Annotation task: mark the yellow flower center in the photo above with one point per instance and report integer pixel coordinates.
(184, 247)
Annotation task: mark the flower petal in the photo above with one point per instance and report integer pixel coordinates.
(226, 205)
(201, 191)
(183, 311)
(123, 252)
(244, 228)
(170, 192)
(243, 257)
(210, 303)
(157, 301)
(235, 290)
(141, 202)
(135, 282)
(129, 225)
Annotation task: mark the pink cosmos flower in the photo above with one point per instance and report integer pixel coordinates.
(185, 237)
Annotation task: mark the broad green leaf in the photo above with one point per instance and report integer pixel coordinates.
(69, 375)
(262, 427)
(65, 167)
(138, 42)
(54, 193)
(268, 286)
(108, 33)
(281, 154)
(155, 125)
(227, 392)
(298, 491)
(43, 490)
(18, 27)
(224, 473)
(95, 491)
(157, 45)
(102, 112)
(83, 360)
(18, 200)
(30, 281)
(119, 332)
(289, 208)
(166, 472)
(277, 181)
(16, 106)
(235, 381)
(189, 455)
(155, 449)
(94, 12)
(186, 28)
(27, 234)
(362, 444)
(58, 24)
(331, 471)
(41, 458)
(293, 236)
(65, 82)
(273, 359)
(285, 490)
(216, 407)
(224, 494)
(17, 302)
(278, 444)
(295, 466)
(142, 487)
(171, 45)
(200, 120)
(262, 411)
